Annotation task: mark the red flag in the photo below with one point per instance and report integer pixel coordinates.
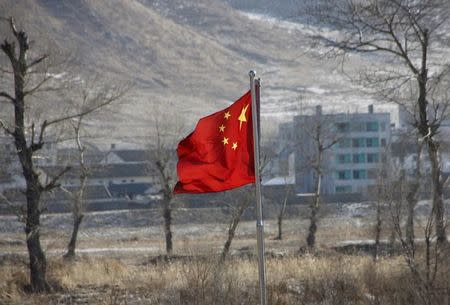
(218, 154)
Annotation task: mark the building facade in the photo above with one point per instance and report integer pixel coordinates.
(354, 146)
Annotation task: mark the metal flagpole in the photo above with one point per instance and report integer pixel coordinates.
(259, 216)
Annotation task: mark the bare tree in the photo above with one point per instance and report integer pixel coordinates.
(281, 212)
(238, 201)
(381, 198)
(162, 163)
(411, 34)
(426, 267)
(279, 150)
(31, 76)
(94, 97)
(317, 137)
(412, 197)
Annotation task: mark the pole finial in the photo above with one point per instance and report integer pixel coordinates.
(252, 73)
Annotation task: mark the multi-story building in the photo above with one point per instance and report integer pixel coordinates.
(354, 145)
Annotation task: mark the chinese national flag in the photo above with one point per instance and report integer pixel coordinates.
(218, 154)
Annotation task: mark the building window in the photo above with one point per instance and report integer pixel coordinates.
(343, 189)
(358, 142)
(372, 173)
(359, 174)
(359, 158)
(343, 158)
(372, 126)
(372, 142)
(344, 143)
(358, 126)
(383, 142)
(343, 127)
(373, 158)
(344, 175)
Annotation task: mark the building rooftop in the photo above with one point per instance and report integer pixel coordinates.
(103, 171)
(132, 155)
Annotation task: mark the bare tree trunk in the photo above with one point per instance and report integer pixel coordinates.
(167, 215)
(38, 262)
(280, 227)
(378, 226)
(73, 240)
(281, 216)
(412, 199)
(243, 205)
(311, 239)
(231, 232)
(438, 200)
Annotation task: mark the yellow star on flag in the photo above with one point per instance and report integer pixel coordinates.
(234, 146)
(227, 115)
(225, 141)
(242, 117)
(222, 128)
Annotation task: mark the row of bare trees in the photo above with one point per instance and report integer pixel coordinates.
(31, 76)
(31, 79)
(410, 36)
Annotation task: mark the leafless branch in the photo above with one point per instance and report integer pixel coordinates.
(38, 60)
(2, 70)
(107, 100)
(17, 210)
(36, 87)
(54, 181)
(67, 191)
(6, 95)
(5, 127)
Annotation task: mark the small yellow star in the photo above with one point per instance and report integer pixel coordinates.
(222, 128)
(225, 141)
(234, 146)
(227, 115)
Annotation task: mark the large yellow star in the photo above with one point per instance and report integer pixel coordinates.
(242, 117)
(222, 128)
(225, 141)
(227, 115)
(234, 146)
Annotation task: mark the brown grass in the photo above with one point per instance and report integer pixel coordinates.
(331, 278)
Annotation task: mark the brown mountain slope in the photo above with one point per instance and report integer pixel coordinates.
(187, 57)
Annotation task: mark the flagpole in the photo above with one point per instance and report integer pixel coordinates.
(259, 215)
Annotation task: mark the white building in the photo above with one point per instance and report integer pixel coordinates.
(358, 143)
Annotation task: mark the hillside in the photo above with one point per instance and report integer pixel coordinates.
(191, 56)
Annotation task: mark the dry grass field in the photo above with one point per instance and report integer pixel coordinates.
(128, 266)
(330, 278)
